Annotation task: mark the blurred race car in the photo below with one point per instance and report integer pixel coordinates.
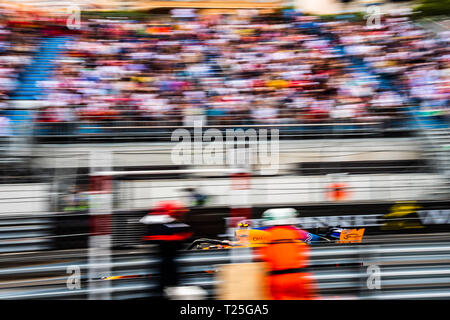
(254, 237)
(247, 237)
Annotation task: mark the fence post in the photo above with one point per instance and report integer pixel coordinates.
(100, 210)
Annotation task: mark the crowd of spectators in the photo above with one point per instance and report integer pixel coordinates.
(219, 70)
(16, 48)
(18, 43)
(412, 63)
(242, 69)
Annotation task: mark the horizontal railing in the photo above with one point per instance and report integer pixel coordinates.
(403, 271)
(121, 122)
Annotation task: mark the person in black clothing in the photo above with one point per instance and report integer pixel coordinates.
(165, 229)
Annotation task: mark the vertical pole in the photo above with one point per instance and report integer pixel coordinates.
(100, 210)
(240, 209)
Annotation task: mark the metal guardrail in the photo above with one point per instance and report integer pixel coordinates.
(405, 271)
(26, 233)
(119, 122)
(96, 132)
(117, 125)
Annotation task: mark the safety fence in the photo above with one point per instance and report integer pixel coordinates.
(121, 132)
(26, 233)
(417, 270)
(71, 229)
(289, 190)
(118, 123)
(378, 219)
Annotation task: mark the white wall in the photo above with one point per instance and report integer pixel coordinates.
(34, 198)
(24, 198)
(145, 154)
(285, 189)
